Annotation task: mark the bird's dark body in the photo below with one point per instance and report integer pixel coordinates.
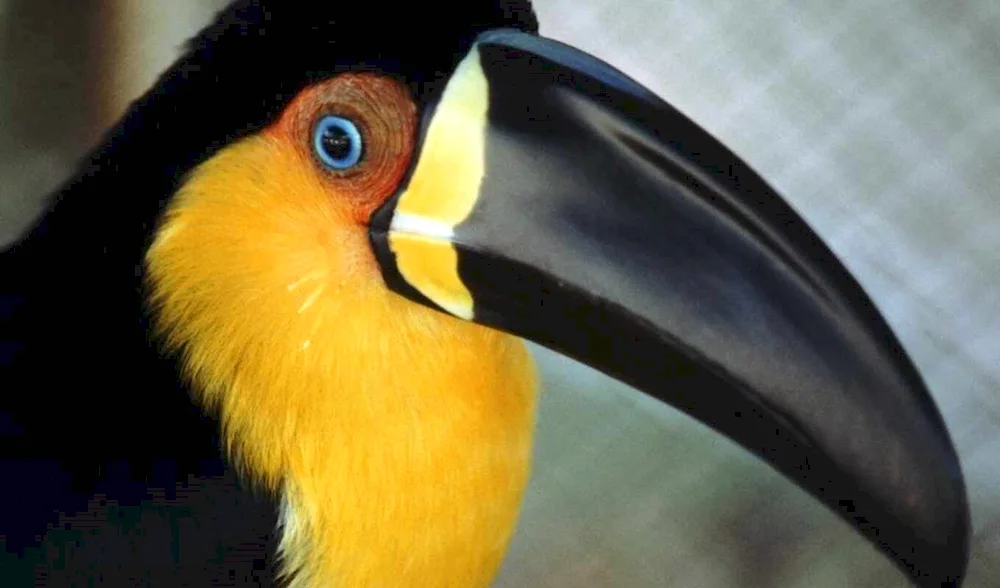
(91, 409)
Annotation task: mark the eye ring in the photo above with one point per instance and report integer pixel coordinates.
(337, 142)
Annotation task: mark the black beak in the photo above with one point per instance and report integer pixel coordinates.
(557, 199)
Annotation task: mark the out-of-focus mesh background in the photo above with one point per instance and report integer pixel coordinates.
(878, 121)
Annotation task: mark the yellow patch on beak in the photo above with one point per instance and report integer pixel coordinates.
(443, 191)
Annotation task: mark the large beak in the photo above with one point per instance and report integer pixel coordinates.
(557, 199)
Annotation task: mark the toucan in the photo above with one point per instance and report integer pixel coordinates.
(310, 255)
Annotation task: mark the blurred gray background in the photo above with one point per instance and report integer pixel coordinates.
(878, 121)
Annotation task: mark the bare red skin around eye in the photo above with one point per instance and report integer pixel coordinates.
(386, 115)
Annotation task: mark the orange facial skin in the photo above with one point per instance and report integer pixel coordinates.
(385, 115)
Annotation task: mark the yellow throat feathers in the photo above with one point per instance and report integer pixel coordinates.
(397, 437)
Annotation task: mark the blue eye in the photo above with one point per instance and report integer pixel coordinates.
(337, 142)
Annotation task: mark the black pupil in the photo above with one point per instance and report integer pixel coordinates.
(336, 142)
